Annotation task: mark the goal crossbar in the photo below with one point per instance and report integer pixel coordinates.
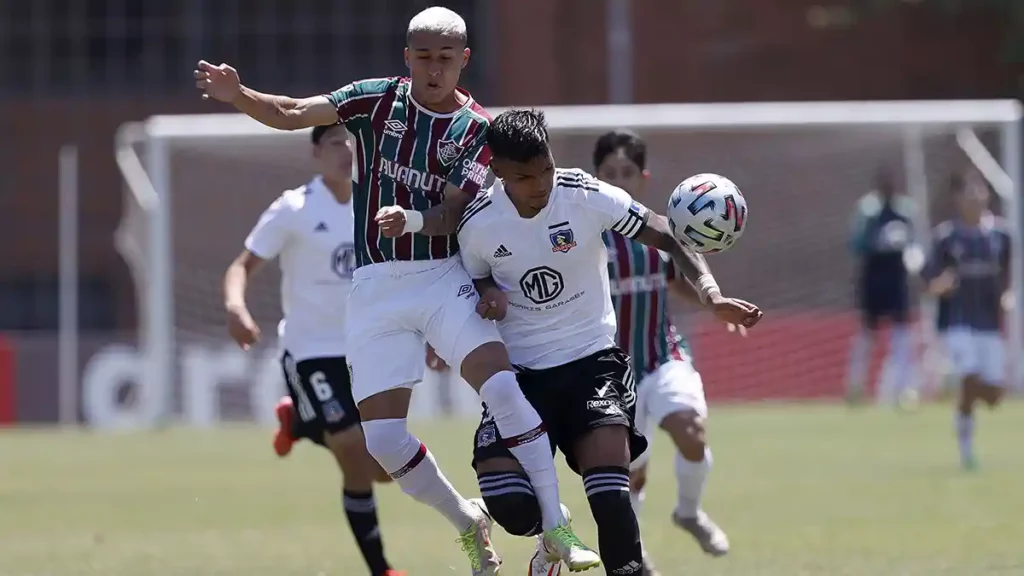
(653, 117)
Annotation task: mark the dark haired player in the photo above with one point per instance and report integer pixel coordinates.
(533, 244)
(883, 243)
(969, 271)
(670, 394)
(309, 230)
(421, 157)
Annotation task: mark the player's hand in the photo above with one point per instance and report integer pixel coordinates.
(242, 328)
(434, 362)
(735, 311)
(391, 220)
(493, 304)
(218, 82)
(944, 283)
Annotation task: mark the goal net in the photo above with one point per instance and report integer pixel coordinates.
(801, 166)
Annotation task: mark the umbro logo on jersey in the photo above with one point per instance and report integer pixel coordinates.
(321, 227)
(502, 252)
(394, 128)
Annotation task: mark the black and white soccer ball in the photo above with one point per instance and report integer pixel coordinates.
(707, 213)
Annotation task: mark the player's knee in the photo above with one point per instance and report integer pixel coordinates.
(688, 433)
(483, 362)
(389, 442)
(511, 501)
(390, 404)
(604, 446)
(356, 463)
(346, 444)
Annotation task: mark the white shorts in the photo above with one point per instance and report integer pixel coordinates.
(979, 353)
(395, 306)
(675, 386)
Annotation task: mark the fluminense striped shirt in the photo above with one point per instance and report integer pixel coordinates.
(405, 155)
(639, 276)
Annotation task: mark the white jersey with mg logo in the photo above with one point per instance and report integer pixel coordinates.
(553, 267)
(310, 232)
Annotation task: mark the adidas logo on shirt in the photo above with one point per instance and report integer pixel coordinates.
(321, 227)
(502, 252)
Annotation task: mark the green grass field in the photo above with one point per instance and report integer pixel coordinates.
(806, 490)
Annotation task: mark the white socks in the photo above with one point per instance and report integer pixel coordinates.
(860, 363)
(690, 477)
(412, 466)
(520, 426)
(898, 370)
(965, 435)
(899, 373)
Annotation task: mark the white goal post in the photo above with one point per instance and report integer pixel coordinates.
(801, 164)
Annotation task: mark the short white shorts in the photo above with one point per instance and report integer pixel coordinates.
(980, 353)
(395, 306)
(674, 387)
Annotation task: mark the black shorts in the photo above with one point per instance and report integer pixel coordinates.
(876, 306)
(321, 391)
(572, 399)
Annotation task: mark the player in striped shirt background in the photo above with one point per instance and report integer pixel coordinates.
(969, 272)
(670, 393)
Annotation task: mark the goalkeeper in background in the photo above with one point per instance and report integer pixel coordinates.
(882, 241)
(310, 231)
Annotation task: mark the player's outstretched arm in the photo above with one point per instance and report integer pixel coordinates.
(221, 82)
(691, 265)
(241, 326)
(695, 270)
(686, 291)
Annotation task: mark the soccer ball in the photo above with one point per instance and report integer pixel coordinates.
(707, 213)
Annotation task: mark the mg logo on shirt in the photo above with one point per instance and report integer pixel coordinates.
(542, 284)
(343, 260)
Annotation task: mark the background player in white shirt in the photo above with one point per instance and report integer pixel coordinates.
(423, 158)
(533, 245)
(309, 230)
